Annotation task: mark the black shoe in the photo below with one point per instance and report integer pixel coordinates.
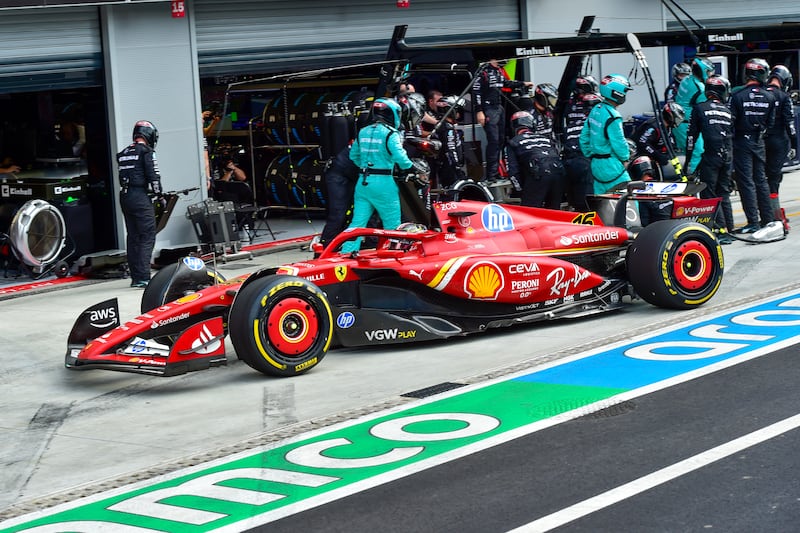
(750, 228)
(724, 238)
(139, 284)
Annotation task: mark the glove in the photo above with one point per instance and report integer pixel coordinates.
(515, 183)
(792, 154)
(155, 187)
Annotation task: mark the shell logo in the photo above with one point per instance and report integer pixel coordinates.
(679, 212)
(484, 281)
(188, 298)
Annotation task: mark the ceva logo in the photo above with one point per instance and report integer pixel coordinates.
(496, 219)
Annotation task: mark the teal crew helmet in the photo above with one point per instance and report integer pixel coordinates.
(613, 87)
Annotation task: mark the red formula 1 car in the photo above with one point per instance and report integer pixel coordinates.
(482, 265)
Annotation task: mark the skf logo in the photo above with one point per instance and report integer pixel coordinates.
(484, 281)
(341, 272)
(496, 219)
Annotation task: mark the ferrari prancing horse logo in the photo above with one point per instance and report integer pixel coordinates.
(341, 272)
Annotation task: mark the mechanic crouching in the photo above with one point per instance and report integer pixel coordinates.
(376, 150)
(138, 175)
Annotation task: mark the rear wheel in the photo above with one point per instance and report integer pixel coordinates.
(281, 325)
(677, 265)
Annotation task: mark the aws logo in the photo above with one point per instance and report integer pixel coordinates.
(484, 281)
(103, 318)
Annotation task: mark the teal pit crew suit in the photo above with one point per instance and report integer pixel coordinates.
(691, 92)
(378, 148)
(602, 137)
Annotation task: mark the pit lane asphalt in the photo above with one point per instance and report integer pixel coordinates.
(64, 432)
(531, 478)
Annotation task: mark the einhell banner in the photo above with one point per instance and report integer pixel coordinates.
(5, 4)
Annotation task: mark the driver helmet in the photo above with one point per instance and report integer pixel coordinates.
(680, 71)
(412, 227)
(147, 131)
(783, 75)
(546, 95)
(718, 87)
(756, 69)
(673, 114)
(613, 87)
(412, 107)
(586, 85)
(521, 120)
(702, 68)
(386, 111)
(641, 169)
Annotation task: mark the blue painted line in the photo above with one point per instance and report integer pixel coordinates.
(680, 350)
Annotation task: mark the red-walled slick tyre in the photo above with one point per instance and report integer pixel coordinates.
(677, 265)
(281, 325)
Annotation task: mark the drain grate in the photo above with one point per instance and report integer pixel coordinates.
(433, 389)
(612, 410)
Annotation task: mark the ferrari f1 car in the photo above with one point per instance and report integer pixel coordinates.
(481, 265)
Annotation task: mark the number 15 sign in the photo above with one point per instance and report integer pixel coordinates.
(178, 8)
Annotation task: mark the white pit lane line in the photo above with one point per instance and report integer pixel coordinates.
(659, 477)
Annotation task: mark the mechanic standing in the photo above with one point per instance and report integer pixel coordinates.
(602, 137)
(713, 120)
(781, 138)
(488, 98)
(691, 92)
(753, 109)
(578, 180)
(534, 165)
(649, 141)
(679, 72)
(139, 176)
(340, 176)
(376, 150)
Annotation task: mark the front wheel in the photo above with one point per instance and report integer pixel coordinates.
(281, 325)
(677, 265)
(173, 282)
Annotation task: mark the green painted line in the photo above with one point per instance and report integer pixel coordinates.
(235, 490)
